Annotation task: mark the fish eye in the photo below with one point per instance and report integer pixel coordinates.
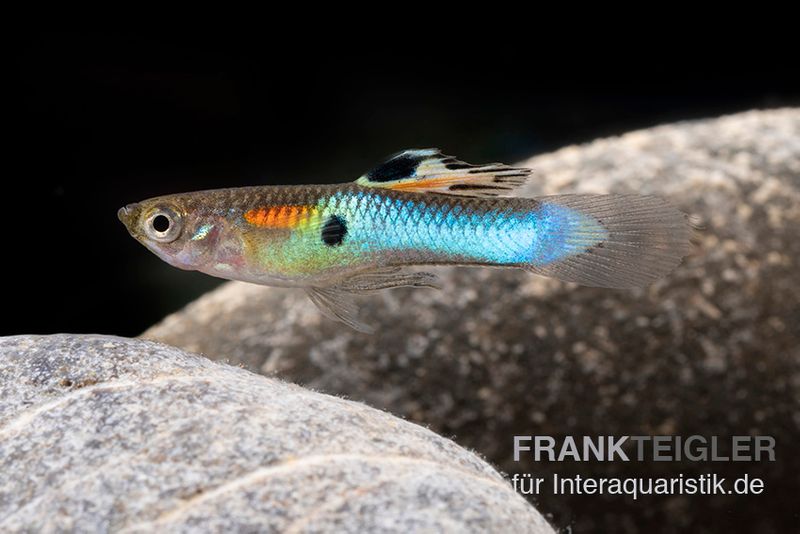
(163, 225)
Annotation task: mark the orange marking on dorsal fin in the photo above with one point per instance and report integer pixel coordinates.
(427, 184)
(277, 216)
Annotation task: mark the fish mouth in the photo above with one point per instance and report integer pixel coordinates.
(128, 214)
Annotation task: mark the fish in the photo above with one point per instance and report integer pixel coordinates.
(418, 208)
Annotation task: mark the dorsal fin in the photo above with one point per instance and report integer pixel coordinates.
(429, 171)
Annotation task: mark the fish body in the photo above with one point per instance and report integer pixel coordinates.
(418, 208)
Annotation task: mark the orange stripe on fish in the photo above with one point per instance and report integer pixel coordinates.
(278, 216)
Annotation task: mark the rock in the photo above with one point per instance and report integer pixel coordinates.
(102, 433)
(712, 349)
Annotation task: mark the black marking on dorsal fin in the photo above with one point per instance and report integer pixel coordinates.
(399, 167)
(468, 187)
(457, 165)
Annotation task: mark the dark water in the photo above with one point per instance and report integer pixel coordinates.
(104, 120)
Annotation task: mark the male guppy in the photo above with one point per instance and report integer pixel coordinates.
(418, 208)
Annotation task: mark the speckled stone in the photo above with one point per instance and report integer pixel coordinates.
(712, 349)
(103, 434)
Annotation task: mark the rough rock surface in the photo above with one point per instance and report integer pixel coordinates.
(101, 433)
(713, 349)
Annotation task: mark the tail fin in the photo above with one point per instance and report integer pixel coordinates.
(617, 241)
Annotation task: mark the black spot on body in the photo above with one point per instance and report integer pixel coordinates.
(397, 168)
(334, 231)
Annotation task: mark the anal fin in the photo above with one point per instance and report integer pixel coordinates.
(337, 302)
(387, 278)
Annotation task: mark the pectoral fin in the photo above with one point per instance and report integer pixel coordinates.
(430, 171)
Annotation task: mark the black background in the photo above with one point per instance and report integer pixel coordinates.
(102, 120)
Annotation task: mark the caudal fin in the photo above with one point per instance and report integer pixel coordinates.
(617, 241)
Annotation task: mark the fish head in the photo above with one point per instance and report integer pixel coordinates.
(175, 229)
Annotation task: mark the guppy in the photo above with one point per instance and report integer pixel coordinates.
(418, 208)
